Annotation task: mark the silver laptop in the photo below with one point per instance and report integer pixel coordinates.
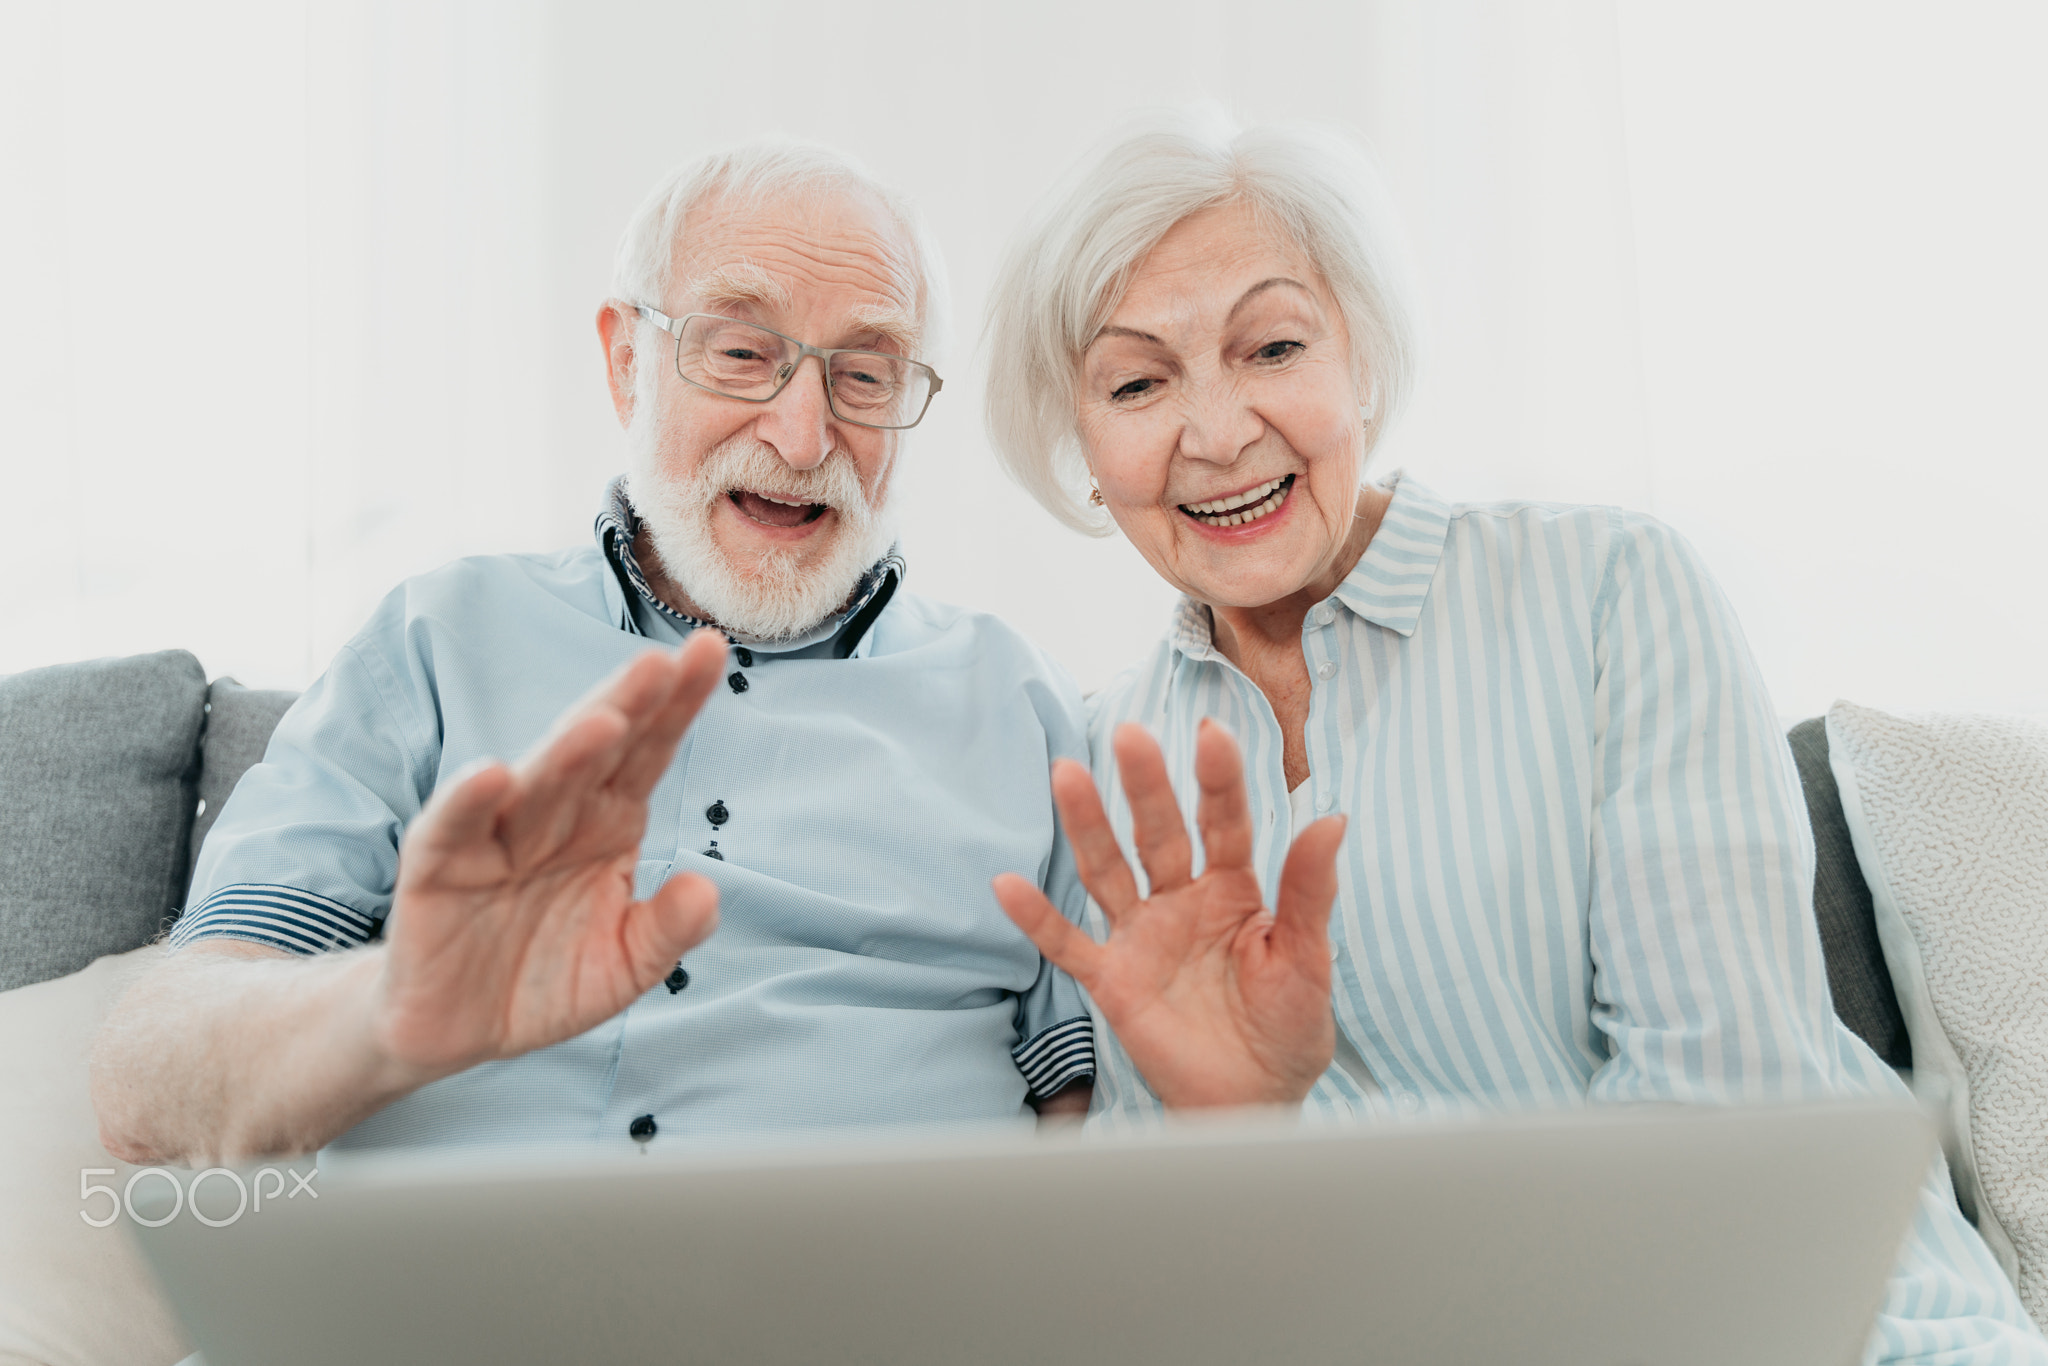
(1652, 1236)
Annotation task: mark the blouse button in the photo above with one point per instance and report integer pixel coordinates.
(716, 813)
(642, 1129)
(1325, 802)
(1324, 616)
(677, 979)
(1326, 669)
(744, 655)
(737, 681)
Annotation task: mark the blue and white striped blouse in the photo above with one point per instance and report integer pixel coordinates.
(1578, 866)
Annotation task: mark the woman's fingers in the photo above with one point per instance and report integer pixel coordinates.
(1052, 932)
(1097, 856)
(1156, 824)
(1308, 888)
(1222, 813)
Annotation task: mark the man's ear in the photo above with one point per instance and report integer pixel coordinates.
(616, 329)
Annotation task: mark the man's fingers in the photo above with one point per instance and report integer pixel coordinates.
(1308, 888)
(676, 919)
(1156, 824)
(461, 814)
(555, 782)
(1096, 854)
(1223, 814)
(1041, 921)
(694, 671)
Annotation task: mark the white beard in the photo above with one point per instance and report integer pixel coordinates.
(768, 596)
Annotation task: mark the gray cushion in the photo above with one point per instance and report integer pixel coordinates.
(238, 725)
(98, 777)
(1857, 975)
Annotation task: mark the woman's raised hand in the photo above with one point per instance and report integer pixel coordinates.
(1218, 1001)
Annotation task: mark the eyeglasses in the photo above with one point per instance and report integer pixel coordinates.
(753, 364)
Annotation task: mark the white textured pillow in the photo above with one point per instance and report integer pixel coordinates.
(1949, 815)
(70, 1294)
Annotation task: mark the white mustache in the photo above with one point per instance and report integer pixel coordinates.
(752, 467)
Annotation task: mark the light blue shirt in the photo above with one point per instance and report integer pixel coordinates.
(1578, 866)
(852, 811)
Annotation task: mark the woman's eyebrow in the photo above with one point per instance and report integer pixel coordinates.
(1261, 287)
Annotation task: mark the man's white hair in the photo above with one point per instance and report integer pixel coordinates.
(1064, 275)
(764, 169)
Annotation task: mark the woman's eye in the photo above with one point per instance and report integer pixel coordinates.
(1133, 389)
(1279, 350)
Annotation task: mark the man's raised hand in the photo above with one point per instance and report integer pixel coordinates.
(513, 923)
(1217, 1001)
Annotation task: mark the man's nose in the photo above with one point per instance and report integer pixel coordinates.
(797, 421)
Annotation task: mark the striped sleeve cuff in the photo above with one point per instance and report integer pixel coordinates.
(1057, 1056)
(282, 917)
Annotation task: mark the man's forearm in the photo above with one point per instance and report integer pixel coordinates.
(226, 1052)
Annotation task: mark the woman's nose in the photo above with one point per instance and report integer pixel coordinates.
(1219, 423)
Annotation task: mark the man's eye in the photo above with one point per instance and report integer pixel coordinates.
(740, 353)
(1133, 389)
(1279, 350)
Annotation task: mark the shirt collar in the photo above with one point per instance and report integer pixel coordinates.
(1387, 586)
(618, 525)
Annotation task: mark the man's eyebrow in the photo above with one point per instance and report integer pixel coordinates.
(739, 282)
(1264, 285)
(890, 321)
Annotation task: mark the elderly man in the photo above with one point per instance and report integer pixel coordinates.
(397, 939)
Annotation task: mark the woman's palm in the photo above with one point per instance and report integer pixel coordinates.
(1217, 1001)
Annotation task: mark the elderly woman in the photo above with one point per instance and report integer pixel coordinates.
(1547, 842)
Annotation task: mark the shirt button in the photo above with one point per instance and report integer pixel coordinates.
(1410, 1102)
(717, 814)
(1324, 616)
(737, 681)
(1326, 669)
(1325, 802)
(712, 852)
(642, 1129)
(744, 655)
(677, 979)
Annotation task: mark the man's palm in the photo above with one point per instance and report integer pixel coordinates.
(514, 924)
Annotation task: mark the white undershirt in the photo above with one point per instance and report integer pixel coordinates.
(1301, 806)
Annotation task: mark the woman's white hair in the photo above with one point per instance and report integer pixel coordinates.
(759, 170)
(1065, 274)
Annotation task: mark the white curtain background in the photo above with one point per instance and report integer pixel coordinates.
(297, 296)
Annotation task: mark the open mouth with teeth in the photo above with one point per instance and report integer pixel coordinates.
(777, 512)
(1239, 508)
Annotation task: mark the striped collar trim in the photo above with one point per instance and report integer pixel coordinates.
(618, 525)
(1391, 580)
(1387, 586)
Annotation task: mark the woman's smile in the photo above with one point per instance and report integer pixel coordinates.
(1239, 512)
